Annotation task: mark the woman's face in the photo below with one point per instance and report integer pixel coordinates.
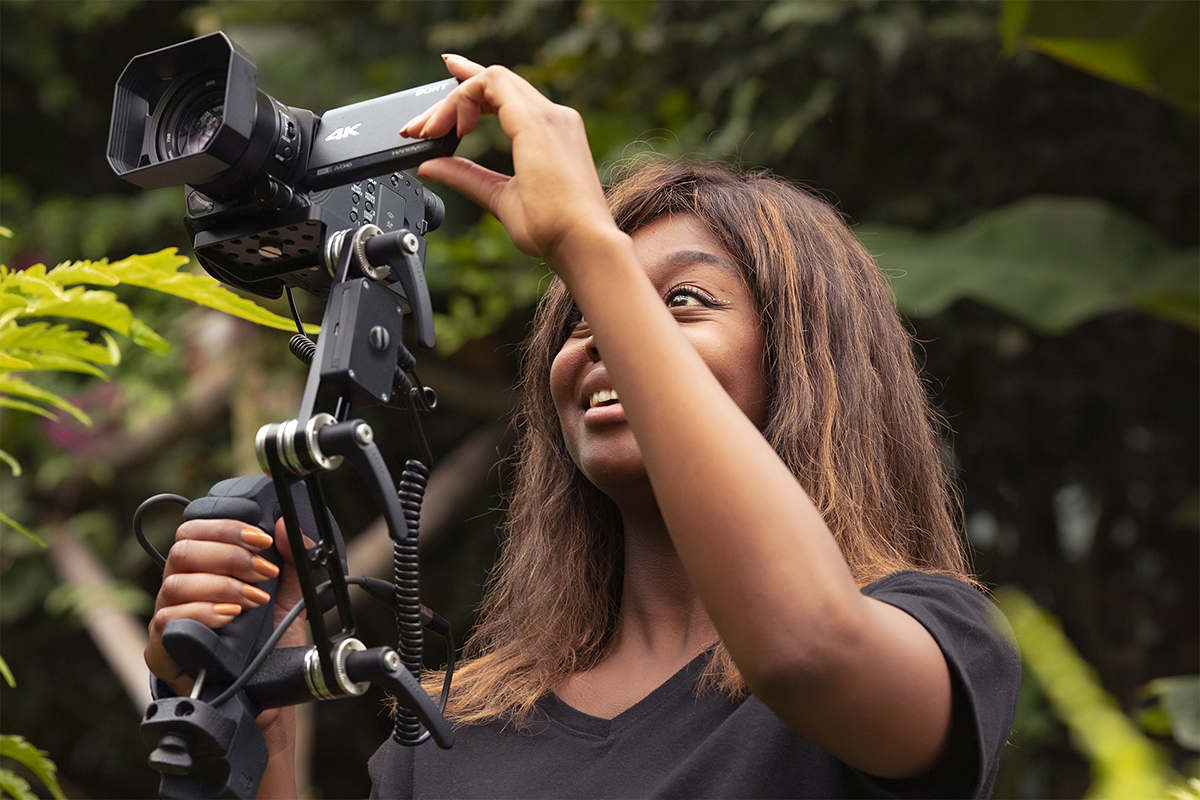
(703, 287)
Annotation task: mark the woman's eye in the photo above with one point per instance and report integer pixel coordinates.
(690, 296)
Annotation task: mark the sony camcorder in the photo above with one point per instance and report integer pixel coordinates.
(268, 185)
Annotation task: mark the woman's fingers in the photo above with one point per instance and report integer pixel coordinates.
(184, 588)
(214, 615)
(218, 558)
(555, 189)
(478, 184)
(225, 530)
(463, 69)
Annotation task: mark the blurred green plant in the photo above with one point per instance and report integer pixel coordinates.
(1174, 709)
(12, 784)
(484, 278)
(62, 292)
(1050, 262)
(1150, 46)
(1125, 762)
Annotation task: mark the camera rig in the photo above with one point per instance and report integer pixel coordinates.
(280, 198)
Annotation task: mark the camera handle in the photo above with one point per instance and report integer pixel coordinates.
(208, 744)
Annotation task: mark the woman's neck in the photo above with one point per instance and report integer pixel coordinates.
(662, 625)
(661, 615)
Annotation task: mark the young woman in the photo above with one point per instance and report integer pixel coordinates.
(731, 566)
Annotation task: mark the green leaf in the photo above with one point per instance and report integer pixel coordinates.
(11, 306)
(9, 361)
(91, 272)
(89, 305)
(7, 458)
(1148, 46)
(142, 334)
(31, 281)
(21, 405)
(1125, 763)
(15, 786)
(158, 271)
(58, 339)
(1050, 262)
(35, 361)
(16, 748)
(23, 388)
(1179, 698)
(7, 673)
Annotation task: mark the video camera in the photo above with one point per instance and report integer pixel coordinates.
(265, 181)
(279, 197)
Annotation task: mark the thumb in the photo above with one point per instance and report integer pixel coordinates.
(478, 184)
(287, 591)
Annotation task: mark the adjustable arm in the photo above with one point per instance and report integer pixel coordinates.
(206, 750)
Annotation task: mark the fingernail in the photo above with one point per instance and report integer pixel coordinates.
(256, 538)
(256, 596)
(265, 568)
(230, 610)
(446, 56)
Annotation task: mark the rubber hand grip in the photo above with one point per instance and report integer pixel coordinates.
(250, 499)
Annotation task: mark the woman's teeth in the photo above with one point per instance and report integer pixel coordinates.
(601, 397)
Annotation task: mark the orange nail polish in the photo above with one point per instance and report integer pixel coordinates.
(227, 609)
(265, 568)
(256, 596)
(256, 538)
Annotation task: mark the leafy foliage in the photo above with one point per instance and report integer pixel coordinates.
(1050, 262)
(1149, 46)
(913, 113)
(1125, 763)
(16, 748)
(62, 292)
(1177, 708)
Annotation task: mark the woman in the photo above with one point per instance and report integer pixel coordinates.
(731, 567)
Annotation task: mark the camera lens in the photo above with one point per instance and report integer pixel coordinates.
(202, 129)
(190, 116)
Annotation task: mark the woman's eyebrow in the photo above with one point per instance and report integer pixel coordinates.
(683, 257)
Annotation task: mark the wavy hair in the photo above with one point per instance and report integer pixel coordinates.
(847, 414)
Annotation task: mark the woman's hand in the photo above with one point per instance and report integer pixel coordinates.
(555, 195)
(211, 576)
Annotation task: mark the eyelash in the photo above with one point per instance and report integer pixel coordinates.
(575, 316)
(695, 293)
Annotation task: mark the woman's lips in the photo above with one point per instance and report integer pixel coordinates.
(604, 407)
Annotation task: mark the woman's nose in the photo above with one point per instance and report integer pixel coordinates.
(593, 353)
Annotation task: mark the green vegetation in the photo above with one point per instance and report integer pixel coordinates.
(1026, 172)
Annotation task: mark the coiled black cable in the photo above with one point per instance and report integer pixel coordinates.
(303, 348)
(407, 730)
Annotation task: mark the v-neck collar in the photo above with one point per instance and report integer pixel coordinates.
(581, 723)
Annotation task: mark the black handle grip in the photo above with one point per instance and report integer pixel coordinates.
(250, 499)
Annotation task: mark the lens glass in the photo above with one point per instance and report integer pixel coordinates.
(201, 130)
(189, 116)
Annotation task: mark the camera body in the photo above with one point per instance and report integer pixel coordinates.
(267, 184)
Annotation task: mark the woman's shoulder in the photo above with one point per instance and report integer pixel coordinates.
(963, 620)
(985, 668)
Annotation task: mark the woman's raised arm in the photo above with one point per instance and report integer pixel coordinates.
(860, 678)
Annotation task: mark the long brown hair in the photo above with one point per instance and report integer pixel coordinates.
(847, 414)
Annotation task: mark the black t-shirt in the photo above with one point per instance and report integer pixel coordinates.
(674, 743)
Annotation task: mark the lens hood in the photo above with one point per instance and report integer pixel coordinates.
(205, 85)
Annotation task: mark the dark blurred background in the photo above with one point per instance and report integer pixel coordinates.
(1035, 206)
